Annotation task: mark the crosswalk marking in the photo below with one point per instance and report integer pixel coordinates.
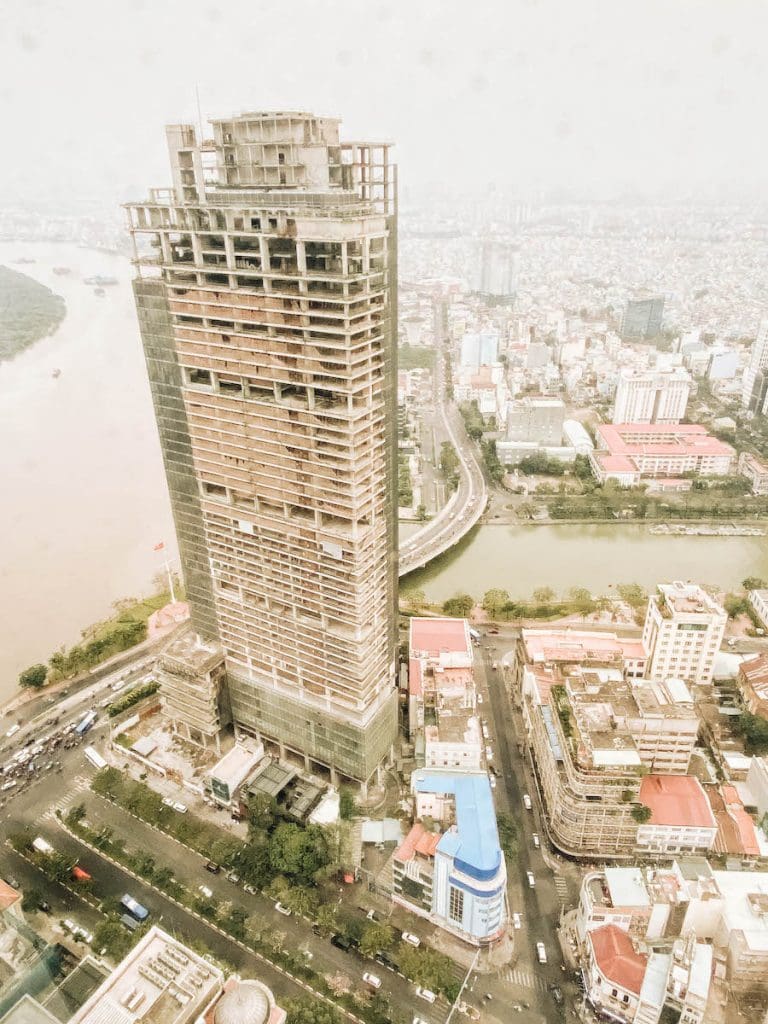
(561, 888)
(525, 979)
(78, 785)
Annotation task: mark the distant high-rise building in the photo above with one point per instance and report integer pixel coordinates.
(682, 634)
(537, 355)
(652, 396)
(497, 271)
(754, 395)
(479, 348)
(642, 318)
(267, 300)
(539, 420)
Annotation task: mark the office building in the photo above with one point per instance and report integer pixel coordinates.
(479, 348)
(651, 396)
(756, 471)
(754, 391)
(266, 294)
(538, 420)
(642, 318)
(457, 877)
(682, 633)
(497, 271)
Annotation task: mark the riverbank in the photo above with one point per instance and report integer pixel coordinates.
(29, 311)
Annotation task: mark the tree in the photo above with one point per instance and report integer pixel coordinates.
(753, 583)
(543, 595)
(110, 935)
(297, 852)
(262, 813)
(735, 605)
(31, 899)
(582, 467)
(460, 605)
(494, 601)
(633, 594)
(346, 803)
(254, 863)
(508, 834)
(236, 921)
(33, 677)
(310, 1010)
(754, 731)
(415, 598)
(641, 813)
(581, 601)
(376, 937)
(326, 917)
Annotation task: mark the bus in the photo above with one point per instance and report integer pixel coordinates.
(134, 908)
(85, 723)
(95, 758)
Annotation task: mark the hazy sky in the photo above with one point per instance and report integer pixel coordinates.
(603, 95)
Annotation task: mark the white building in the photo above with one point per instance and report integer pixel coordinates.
(479, 348)
(755, 470)
(536, 419)
(683, 631)
(652, 396)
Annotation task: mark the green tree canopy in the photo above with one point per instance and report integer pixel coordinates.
(310, 1010)
(34, 677)
(460, 605)
(753, 583)
(297, 852)
(494, 601)
(544, 595)
(376, 937)
(641, 813)
(262, 813)
(754, 731)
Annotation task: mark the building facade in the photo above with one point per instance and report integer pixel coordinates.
(754, 391)
(642, 318)
(266, 294)
(538, 420)
(756, 471)
(652, 396)
(682, 633)
(627, 452)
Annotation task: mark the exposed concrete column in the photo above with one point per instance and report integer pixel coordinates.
(344, 259)
(281, 747)
(301, 256)
(334, 777)
(364, 790)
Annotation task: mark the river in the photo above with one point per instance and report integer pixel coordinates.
(84, 498)
(520, 558)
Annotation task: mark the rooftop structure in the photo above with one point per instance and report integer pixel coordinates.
(228, 774)
(627, 452)
(681, 817)
(266, 294)
(457, 879)
(161, 981)
(538, 420)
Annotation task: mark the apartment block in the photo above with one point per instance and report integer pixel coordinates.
(267, 300)
(651, 396)
(759, 601)
(537, 420)
(755, 386)
(642, 318)
(682, 633)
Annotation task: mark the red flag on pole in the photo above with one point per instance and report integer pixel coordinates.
(159, 547)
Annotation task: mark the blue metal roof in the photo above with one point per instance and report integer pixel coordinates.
(475, 845)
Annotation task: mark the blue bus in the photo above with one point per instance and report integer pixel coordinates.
(85, 723)
(134, 908)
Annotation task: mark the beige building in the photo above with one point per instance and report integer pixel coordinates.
(755, 470)
(266, 294)
(652, 396)
(683, 632)
(596, 730)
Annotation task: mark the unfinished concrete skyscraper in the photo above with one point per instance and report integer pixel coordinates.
(266, 292)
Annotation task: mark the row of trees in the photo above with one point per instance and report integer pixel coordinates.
(119, 636)
(132, 697)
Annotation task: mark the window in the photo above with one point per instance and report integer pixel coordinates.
(456, 905)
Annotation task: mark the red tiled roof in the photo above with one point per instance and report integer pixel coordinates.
(418, 840)
(676, 800)
(741, 833)
(616, 958)
(8, 895)
(433, 636)
(680, 439)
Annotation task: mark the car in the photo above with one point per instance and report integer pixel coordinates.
(489, 753)
(282, 909)
(372, 979)
(205, 891)
(13, 882)
(410, 938)
(425, 993)
(527, 802)
(44, 906)
(13, 730)
(541, 952)
(181, 808)
(557, 995)
(371, 915)
(536, 840)
(383, 958)
(213, 867)
(479, 698)
(233, 877)
(492, 780)
(419, 1020)
(517, 921)
(731, 642)
(342, 942)
(167, 801)
(494, 631)
(250, 889)
(531, 879)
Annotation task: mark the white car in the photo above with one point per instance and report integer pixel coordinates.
(181, 808)
(492, 780)
(371, 979)
(517, 921)
(531, 879)
(536, 840)
(281, 909)
(168, 801)
(489, 753)
(541, 952)
(414, 940)
(425, 993)
(205, 891)
(419, 1020)
(479, 698)
(527, 802)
